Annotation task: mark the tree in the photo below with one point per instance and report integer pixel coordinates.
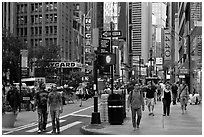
(11, 47)
(44, 55)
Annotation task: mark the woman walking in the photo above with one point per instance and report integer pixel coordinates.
(183, 95)
(166, 99)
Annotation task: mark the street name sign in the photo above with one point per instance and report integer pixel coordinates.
(115, 33)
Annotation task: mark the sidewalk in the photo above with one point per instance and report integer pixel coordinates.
(189, 123)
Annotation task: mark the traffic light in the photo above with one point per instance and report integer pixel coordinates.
(106, 59)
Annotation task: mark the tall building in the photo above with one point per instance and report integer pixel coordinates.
(8, 16)
(190, 55)
(139, 33)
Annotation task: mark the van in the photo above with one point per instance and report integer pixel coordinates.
(33, 82)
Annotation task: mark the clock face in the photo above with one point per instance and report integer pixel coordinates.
(108, 59)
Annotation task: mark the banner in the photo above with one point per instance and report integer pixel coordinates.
(24, 58)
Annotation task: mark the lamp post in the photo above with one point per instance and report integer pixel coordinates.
(111, 50)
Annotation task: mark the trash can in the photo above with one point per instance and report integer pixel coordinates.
(115, 109)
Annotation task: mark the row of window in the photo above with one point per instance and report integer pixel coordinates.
(36, 31)
(37, 19)
(51, 6)
(51, 30)
(38, 42)
(22, 8)
(37, 7)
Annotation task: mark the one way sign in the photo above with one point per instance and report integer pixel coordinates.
(116, 33)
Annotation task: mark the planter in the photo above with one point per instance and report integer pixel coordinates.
(8, 119)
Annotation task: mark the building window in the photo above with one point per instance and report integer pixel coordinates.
(47, 6)
(55, 6)
(40, 19)
(51, 29)
(55, 18)
(40, 30)
(36, 19)
(36, 42)
(25, 31)
(55, 41)
(32, 31)
(40, 42)
(51, 18)
(36, 7)
(36, 30)
(25, 20)
(55, 29)
(47, 41)
(47, 18)
(40, 7)
(46, 30)
(21, 31)
(32, 43)
(51, 6)
(32, 7)
(32, 19)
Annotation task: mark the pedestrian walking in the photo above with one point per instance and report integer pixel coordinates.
(80, 93)
(56, 108)
(183, 95)
(41, 99)
(136, 101)
(174, 89)
(13, 98)
(151, 97)
(166, 99)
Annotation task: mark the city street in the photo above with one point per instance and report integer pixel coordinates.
(71, 120)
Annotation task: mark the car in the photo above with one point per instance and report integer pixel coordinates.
(49, 85)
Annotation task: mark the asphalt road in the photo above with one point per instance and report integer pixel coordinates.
(72, 119)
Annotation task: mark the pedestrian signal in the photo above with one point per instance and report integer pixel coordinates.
(106, 59)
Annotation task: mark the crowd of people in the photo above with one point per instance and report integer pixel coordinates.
(143, 93)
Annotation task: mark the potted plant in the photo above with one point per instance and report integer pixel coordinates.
(9, 115)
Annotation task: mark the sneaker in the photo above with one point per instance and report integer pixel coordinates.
(152, 114)
(138, 126)
(39, 131)
(53, 132)
(44, 130)
(134, 128)
(58, 132)
(164, 114)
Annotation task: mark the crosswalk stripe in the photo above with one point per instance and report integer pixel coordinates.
(79, 115)
(48, 125)
(68, 126)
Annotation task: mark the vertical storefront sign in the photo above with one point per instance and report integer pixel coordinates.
(87, 39)
(167, 44)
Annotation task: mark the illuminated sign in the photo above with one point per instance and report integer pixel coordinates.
(65, 64)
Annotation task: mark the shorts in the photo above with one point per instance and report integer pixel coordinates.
(150, 101)
(183, 101)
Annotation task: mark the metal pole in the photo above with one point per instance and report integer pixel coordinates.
(20, 84)
(111, 50)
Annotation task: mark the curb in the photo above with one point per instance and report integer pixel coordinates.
(94, 130)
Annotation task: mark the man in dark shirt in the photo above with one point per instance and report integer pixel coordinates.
(41, 101)
(151, 97)
(13, 98)
(174, 89)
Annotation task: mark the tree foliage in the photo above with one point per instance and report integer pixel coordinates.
(11, 47)
(44, 55)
